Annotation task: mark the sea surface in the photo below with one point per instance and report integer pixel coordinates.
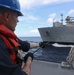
(49, 53)
(32, 39)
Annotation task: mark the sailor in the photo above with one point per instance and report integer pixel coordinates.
(9, 42)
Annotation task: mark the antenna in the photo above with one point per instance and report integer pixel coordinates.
(62, 19)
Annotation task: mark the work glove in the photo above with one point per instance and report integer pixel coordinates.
(28, 55)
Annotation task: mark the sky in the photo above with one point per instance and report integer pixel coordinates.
(41, 13)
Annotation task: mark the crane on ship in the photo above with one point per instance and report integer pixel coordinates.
(70, 19)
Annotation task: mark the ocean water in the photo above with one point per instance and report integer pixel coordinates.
(32, 39)
(48, 53)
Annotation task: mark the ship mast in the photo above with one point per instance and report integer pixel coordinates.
(61, 19)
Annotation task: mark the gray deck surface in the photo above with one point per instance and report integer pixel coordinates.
(49, 68)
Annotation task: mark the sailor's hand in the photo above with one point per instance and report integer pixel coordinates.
(28, 61)
(42, 44)
(34, 45)
(28, 55)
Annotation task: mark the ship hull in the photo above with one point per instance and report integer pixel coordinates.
(64, 34)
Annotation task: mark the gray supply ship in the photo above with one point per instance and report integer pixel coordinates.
(59, 33)
(61, 37)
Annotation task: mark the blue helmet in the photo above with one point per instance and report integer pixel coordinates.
(12, 5)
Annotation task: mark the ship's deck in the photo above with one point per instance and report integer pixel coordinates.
(49, 68)
(49, 61)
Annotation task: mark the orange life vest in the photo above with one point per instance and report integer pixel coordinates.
(11, 41)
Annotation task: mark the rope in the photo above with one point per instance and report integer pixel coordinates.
(47, 43)
(70, 57)
(36, 50)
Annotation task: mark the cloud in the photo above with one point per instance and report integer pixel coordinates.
(51, 18)
(49, 1)
(34, 31)
(63, 1)
(31, 17)
(21, 18)
(28, 33)
(71, 11)
(27, 4)
(28, 18)
(52, 15)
